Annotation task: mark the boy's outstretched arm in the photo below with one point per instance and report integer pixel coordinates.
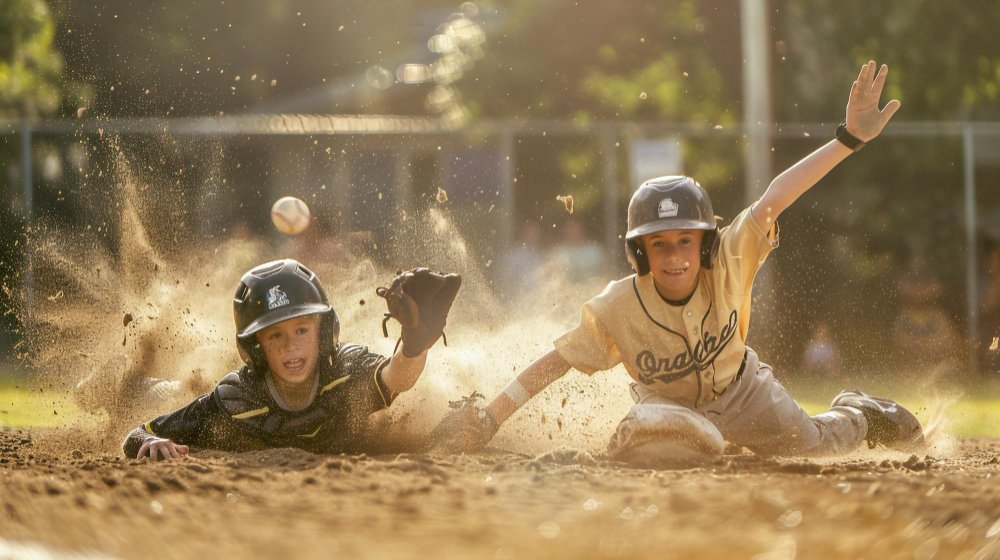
(157, 439)
(470, 428)
(864, 121)
(402, 372)
(537, 376)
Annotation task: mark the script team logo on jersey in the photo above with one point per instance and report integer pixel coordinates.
(668, 208)
(276, 298)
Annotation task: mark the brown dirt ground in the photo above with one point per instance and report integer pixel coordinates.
(563, 503)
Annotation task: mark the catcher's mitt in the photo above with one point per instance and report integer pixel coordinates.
(420, 300)
(465, 429)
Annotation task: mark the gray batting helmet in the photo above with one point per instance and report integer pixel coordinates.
(669, 203)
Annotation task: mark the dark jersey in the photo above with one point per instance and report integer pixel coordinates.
(240, 414)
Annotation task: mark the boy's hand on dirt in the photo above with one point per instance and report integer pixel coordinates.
(466, 428)
(420, 300)
(864, 119)
(157, 448)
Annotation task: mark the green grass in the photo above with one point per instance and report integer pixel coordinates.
(22, 404)
(976, 415)
(966, 417)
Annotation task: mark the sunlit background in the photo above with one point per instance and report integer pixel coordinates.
(193, 117)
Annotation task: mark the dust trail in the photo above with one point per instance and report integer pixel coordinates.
(123, 316)
(111, 316)
(108, 317)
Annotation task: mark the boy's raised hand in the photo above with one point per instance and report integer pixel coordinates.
(864, 119)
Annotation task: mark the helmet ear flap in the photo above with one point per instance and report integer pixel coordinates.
(709, 247)
(636, 257)
(252, 353)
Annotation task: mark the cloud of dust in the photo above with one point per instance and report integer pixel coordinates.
(105, 321)
(491, 338)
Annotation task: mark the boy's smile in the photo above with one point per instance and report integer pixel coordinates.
(292, 348)
(674, 261)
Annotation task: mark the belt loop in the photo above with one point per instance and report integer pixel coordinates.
(743, 365)
(634, 391)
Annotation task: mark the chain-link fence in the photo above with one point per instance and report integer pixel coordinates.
(893, 261)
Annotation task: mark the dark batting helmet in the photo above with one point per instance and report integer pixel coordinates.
(277, 291)
(668, 203)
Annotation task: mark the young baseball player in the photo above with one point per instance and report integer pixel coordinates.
(302, 387)
(679, 326)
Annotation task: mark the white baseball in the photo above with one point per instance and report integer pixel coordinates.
(290, 215)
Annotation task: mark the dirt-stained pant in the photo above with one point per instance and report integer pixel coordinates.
(755, 411)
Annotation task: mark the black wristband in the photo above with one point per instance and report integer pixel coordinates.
(848, 139)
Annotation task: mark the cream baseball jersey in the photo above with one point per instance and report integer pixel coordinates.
(688, 353)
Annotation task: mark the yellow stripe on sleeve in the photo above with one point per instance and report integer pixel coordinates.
(148, 426)
(312, 434)
(251, 413)
(378, 386)
(334, 383)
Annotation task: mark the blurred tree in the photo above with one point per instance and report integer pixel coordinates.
(30, 67)
(31, 85)
(901, 196)
(203, 58)
(675, 61)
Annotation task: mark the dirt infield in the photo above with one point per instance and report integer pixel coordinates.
(59, 501)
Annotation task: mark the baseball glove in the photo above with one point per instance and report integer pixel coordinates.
(420, 300)
(466, 428)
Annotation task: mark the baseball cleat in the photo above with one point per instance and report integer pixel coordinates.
(889, 424)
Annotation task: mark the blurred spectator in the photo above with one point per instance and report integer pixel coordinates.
(520, 267)
(822, 356)
(924, 335)
(578, 258)
(989, 319)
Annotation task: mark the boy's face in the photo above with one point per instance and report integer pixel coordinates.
(674, 260)
(292, 348)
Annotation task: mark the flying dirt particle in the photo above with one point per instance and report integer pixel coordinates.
(995, 344)
(128, 318)
(76, 454)
(80, 112)
(361, 302)
(57, 296)
(274, 83)
(549, 529)
(564, 399)
(441, 196)
(567, 202)
(717, 127)
(791, 519)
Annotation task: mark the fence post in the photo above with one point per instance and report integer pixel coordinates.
(971, 268)
(507, 204)
(609, 150)
(27, 207)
